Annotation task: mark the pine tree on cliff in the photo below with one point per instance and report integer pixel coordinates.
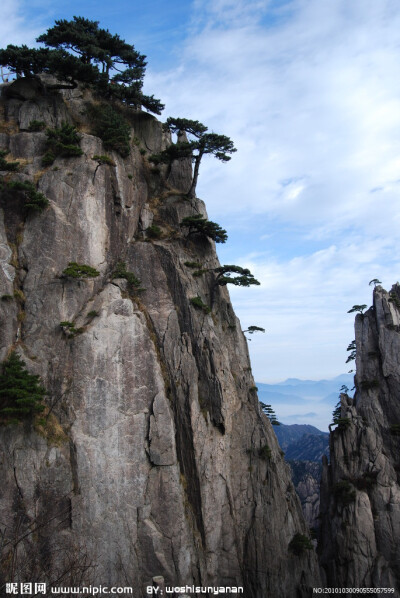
(198, 224)
(105, 61)
(200, 143)
(224, 277)
(21, 393)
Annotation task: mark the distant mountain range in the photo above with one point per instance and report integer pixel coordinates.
(302, 442)
(288, 435)
(295, 389)
(304, 401)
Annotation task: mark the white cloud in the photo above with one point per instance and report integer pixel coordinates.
(303, 303)
(314, 98)
(15, 28)
(310, 93)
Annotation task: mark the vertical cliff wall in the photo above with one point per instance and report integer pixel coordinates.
(154, 458)
(360, 493)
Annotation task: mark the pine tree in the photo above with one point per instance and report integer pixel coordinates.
(270, 413)
(21, 393)
(200, 143)
(207, 228)
(224, 276)
(80, 51)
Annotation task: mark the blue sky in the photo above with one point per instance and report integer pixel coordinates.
(310, 93)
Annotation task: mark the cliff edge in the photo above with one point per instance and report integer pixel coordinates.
(360, 492)
(152, 457)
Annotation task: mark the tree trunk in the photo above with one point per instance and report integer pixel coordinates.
(192, 190)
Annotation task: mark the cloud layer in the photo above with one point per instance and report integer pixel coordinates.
(309, 91)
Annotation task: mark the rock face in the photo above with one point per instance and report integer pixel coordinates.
(295, 437)
(310, 447)
(304, 447)
(360, 493)
(306, 477)
(153, 458)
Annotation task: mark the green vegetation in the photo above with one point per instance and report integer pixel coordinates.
(8, 166)
(344, 492)
(343, 423)
(48, 158)
(253, 329)
(80, 51)
(92, 314)
(198, 303)
(103, 159)
(193, 264)
(78, 271)
(200, 143)
(6, 297)
(153, 232)
(63, 143)
(351, 347)
(270, 413)
(393, 298)
(34, 202)
(19, 296)
(111, 127)
(200, 272)
(199, 225)
(375, 282)
(133, 282)
(21, 393)
(265, 452)
(70, 330)
(245, 278)
(299, 544)
(358, 308)
(36, 125)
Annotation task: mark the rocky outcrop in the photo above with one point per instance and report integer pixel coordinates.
(154, 458)
(360, 493)
(306, 477)
(310, 447)
(304, 446)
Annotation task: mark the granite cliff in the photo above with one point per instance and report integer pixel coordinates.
(304, 446)
(152, 457)
(360, 493)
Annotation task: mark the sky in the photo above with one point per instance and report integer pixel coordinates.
(309, 92)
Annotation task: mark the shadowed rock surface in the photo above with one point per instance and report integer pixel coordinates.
(360, 493)
(288, 435)
(152, 460)
(306, 477)
(310, 447)
(304, 447)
